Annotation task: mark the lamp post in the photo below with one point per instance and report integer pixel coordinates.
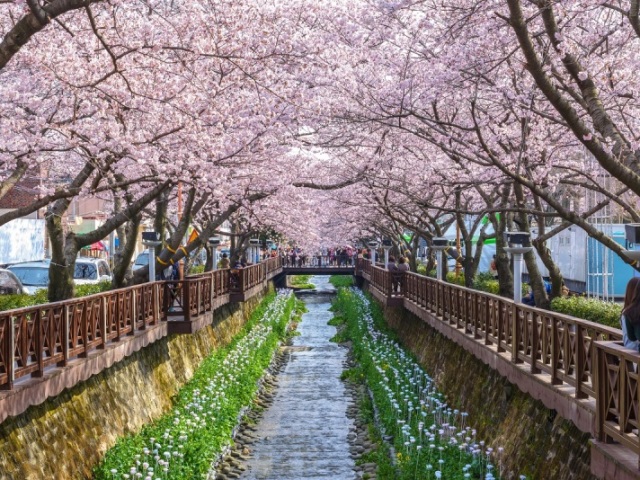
(632, 237)
(439, 244)
(519, 244)
(151, 240)
(386, 244)
(254, 245)
(213, 243)
(373, 245)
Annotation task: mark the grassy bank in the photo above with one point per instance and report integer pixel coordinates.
(301, 281)
(341, 280)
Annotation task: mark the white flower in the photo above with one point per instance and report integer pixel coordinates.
(583, 76)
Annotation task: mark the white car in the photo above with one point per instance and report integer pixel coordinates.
(91, 271)
(35, 275)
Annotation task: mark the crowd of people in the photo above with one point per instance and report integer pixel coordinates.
(327, 257)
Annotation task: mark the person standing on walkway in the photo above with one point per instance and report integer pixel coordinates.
(401, 269)
(630, 319)
(224, 262)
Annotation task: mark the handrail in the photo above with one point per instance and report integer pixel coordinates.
(617, 415)
(54, 333)
(33, 338)
(585, 355)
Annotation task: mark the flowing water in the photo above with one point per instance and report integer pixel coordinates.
(303, 435)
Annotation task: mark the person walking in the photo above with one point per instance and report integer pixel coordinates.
(630, 319)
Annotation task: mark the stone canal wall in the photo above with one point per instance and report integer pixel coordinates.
(537, 442)
(64, 437)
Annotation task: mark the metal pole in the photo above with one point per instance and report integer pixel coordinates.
(215, 258)
(517, 277)
(458, 266)
(373, 257)
(386, 258)
(152, 264)
(439, 266)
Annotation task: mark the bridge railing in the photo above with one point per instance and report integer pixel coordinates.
(273, 266)
(320, 261)
(34, 338)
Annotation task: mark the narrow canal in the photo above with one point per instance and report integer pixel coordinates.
(303, 434)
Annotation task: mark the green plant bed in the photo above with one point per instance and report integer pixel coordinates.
(196, 269)
(455, 279)
(341, 280)
(431, 439)
(185, 442)
(606, 313)
(301, 281)
(10, 302)
(487, 283)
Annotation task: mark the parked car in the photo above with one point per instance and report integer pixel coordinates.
(142, 260)
(35, 275)
(91, 270)
(9, 283)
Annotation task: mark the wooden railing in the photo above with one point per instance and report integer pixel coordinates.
(273, 266)
(242, 279)
(585, 355)
(617, 415)
(33, 338)
(54, 333)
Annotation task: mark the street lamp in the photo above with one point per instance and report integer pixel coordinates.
(373, 245)
(632, 237)
(386, 244)
(519, 244)
(439, 244)
(254, 248)
(213, 243)
(151, 240)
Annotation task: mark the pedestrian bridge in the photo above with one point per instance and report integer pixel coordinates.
(575, 367)
(319, 270)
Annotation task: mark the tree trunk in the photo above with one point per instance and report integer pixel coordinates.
(208, 266)
(122, 260)
(535, 277)
(60, 278)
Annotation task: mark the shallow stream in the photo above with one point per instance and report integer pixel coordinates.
(303, 434)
